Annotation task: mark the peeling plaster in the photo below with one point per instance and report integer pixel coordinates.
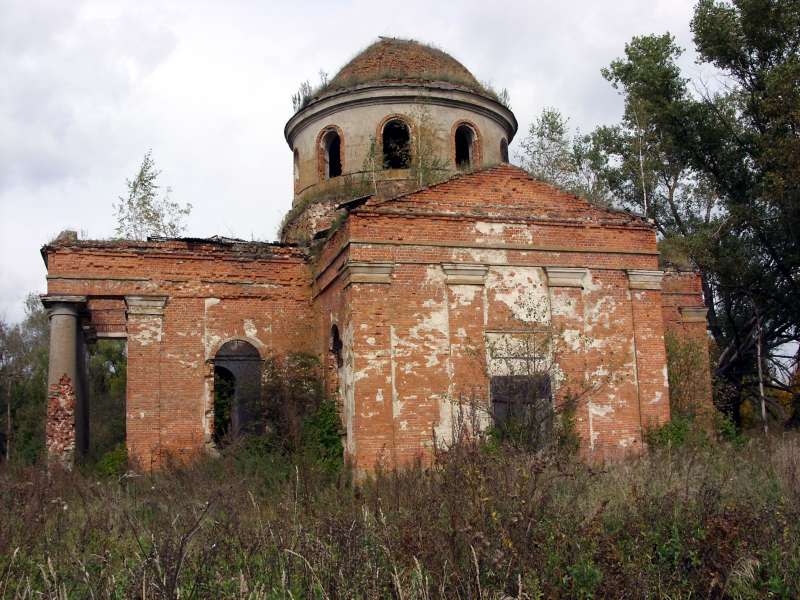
(596, 410)
(149, 331)
(478, 255)
(250, 330)
(347, 385)
(464, 295)
(498, 232)
(523, 291)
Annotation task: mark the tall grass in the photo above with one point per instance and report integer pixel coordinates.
(714, 521)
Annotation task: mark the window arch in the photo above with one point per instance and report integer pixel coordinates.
(504, 150)
(330, 153)
(465, 141)
(396, 139)
(296, 164)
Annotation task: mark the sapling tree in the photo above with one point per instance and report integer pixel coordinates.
(146, 211)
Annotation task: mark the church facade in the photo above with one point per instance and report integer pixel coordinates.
(427, 274)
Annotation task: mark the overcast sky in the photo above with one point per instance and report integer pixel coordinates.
(87, 87)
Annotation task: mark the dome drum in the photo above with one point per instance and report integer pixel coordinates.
(387, 136)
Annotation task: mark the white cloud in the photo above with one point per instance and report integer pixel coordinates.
(90, 86)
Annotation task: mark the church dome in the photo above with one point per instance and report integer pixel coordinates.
(398, 116)
(394, 60)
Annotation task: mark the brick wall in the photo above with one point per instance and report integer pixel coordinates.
(210, 293)
(472, 260)
(426, 291)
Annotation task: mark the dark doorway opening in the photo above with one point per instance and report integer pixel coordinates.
(396, 145)
(237, 392)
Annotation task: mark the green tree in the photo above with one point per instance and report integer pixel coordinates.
(145, 212)
(23, 382)
(571, 162)
(735, 155)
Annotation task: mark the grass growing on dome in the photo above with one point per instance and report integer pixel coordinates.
(307, 93)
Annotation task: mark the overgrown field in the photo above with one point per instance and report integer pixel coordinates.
(705, 521)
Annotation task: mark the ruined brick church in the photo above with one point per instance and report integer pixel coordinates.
(420, 267)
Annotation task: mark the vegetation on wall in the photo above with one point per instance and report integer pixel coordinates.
(146, 211)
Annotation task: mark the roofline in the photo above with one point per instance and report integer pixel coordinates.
(338, 100)
(164, 244)
(645, 221)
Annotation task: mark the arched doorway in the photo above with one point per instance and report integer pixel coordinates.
(237, 391)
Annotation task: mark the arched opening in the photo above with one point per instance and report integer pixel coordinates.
(465, 146)
(296, 164)
(237, 391)
(396, 145)
(504, 150)
(331, 154)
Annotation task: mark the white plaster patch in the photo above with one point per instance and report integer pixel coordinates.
(523, 291)
(464, 295)
(149, 331)
(596, 410)
(379, 395)
(497, 232)
(250, 330)
(347, 386)
(479, 255)
(492, 229)
(443, 430)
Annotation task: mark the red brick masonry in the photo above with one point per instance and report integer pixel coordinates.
(427, 292)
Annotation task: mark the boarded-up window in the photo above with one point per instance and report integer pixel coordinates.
(521, 398)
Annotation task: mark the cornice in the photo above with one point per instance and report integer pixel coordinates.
(387, 93)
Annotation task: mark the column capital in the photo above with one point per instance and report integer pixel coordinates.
(644, 280)
(465, 273)
(566, 276)
(367, 272)
(63, 304)
(693, 314)
(146, 305)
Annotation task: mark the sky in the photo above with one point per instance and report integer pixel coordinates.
(89, 86)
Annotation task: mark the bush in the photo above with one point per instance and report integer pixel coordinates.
(678, 432)
(113, 463)
(322, 437)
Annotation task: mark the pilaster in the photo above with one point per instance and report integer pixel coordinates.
(145, 326)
